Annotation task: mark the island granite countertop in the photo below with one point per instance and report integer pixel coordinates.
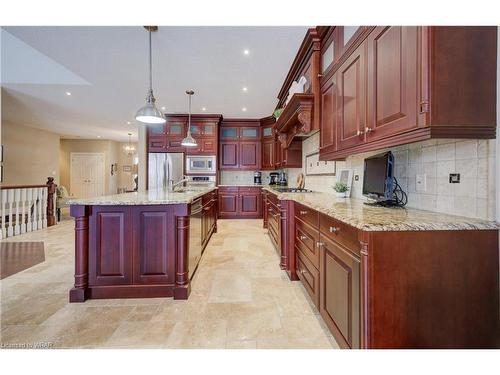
(147, 197)
(354, 212)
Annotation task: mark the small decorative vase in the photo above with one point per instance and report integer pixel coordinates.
(340, 195)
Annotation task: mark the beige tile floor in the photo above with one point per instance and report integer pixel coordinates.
(240, 299)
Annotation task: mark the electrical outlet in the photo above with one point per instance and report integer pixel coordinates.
(420, 182)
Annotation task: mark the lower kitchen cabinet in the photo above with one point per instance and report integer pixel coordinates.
(391, 289)
(339, 302)
(208, 217)
(240, 202)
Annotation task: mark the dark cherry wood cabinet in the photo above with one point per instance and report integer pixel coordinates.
(392, 85)
(153, 263)
(111, 246)
(168, 137)
(136, 251)
(339, 285)
(268, 161)
(249, 157)
(392, 289)
(229, 155)
(240, 145)
(351, 79)
(240, 202)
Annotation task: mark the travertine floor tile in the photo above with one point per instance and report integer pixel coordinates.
(240, 298)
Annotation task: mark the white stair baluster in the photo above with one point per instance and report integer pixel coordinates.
(23, 211)
(35, 209)
(29, 198)
(17, 200)
(10, 198)
(3, 202)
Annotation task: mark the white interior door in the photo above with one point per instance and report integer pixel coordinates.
(87, 175)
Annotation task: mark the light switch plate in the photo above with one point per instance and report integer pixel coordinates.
(420, 182)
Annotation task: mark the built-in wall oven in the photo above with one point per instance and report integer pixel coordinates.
(200, 164)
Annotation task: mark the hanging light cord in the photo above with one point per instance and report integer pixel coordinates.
(150, 64)
(189, 116)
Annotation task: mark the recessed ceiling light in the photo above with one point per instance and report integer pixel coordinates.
(162, 108)
(246, 52)
(203, 109)
(98, 136)
(245, 89)
(68, 93)
(244, 109)
(128, 122)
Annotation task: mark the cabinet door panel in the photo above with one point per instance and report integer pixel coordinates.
(328, 116)
(351, 79)
(110, 255)
(250, 204)
(157, 143)
(174, 144)
(208, 146)
(249, 133)
(309, 276)
(228, 204)
(229, 155)
(153, 252)
(227, 132)
(268, 154)
(392, 81)
(340, 292)
(249, 155)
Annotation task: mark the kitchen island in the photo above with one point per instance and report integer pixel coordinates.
(137, 244)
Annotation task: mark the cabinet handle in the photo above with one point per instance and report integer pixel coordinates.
(360, 132)
(303, 212)
(270, 209)
(303, 237)
(368, 130)
(206, 208)
(334, 229)
(320, 244)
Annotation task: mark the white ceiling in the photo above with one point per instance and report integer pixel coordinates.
(105, 69)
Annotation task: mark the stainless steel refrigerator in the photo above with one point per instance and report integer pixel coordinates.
(163, 167)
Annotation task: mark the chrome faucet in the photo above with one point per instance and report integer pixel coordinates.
(172, 184)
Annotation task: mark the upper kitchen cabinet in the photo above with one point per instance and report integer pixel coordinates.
(392, 85)
(240, 145)
(168, 137)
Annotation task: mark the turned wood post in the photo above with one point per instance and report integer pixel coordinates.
(81, 215)
(51, 187)
(182, 285)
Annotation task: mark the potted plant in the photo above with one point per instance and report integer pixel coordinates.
(341, 189)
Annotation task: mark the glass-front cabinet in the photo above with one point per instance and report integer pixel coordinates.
(249, 133)
(229, 132)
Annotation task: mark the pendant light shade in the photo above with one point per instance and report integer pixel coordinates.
(149, 114)
(189, 141)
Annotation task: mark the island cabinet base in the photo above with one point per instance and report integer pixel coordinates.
(131, 251)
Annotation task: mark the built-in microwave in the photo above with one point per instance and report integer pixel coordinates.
(200, 164)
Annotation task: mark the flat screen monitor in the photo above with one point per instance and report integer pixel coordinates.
(378, 176)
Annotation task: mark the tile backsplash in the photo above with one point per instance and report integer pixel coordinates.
(433, 161)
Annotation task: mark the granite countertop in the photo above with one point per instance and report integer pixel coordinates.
(148, 197)
(369, 218)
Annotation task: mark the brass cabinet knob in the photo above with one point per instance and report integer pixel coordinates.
(368, 130)
(334, 229)
(303, 212)
(303, 237)
(320, 244)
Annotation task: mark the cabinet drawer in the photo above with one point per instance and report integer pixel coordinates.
(307, 215)
(341, 233)
(309, 276)
(157, 143)
(228, 189)
(249, 189)
(306, 239)
(272, 198)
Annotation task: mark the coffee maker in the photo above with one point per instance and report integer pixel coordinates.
(257, 177)
(273, 178)
(282, 179)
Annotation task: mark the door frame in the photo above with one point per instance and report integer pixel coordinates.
(71, 154)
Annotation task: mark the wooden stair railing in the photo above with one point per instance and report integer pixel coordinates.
(25, 208)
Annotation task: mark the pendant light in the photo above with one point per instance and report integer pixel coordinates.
(149, 114)
(129, 148)
(189, 141)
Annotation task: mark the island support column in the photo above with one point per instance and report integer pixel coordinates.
(81, 215)
(182, 285)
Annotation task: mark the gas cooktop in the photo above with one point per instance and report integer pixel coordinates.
(292, 190)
